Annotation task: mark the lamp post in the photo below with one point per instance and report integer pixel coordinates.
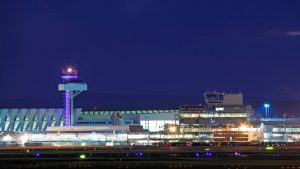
(267, 107)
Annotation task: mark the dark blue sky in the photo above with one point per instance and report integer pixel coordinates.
(151, 47)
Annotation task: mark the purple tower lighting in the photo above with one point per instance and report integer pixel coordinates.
(67, 108)
(72, 86)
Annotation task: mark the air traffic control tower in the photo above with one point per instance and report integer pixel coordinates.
(72, 86)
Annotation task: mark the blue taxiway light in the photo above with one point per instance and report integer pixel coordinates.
(208, 154)
(139, 154)
(237, 154)
(37, 155)
(197, 154)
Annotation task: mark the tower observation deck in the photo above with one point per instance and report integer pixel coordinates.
(72, 86)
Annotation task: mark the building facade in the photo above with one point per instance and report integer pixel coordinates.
(208, 122)
(38, 119)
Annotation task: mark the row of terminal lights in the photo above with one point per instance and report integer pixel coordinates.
(141, 154)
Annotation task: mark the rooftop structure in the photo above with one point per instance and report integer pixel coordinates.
(216, 98)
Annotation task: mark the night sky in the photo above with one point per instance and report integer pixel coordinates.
(180, 48)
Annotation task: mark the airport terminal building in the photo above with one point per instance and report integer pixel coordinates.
(223, 118)
(219, 120)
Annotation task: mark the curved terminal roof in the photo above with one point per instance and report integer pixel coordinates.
(128, 112)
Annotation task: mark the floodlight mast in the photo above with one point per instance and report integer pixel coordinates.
(267, 107)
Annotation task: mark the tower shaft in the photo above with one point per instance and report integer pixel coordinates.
(69, 107)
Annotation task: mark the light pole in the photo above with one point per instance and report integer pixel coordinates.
(267, 107)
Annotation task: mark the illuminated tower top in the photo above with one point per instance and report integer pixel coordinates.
(71, 81)
(69, 74)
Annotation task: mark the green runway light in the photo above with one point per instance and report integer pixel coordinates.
(269, 148)
(82, 156)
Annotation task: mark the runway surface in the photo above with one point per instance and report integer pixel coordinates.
(225, 157)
